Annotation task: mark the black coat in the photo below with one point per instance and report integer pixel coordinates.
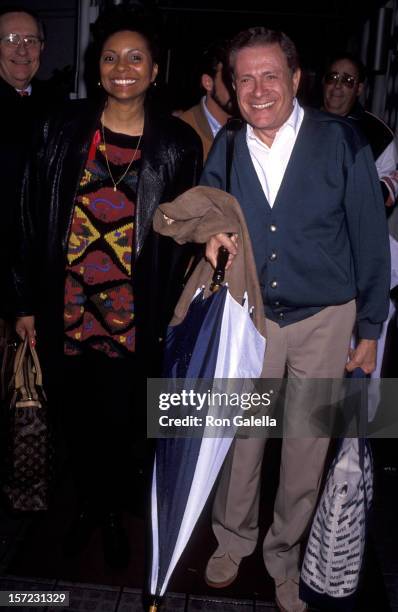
(19, 118)
(171, 163)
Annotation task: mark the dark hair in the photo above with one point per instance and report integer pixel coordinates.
(21, 9)
(212, 56)
(119, 19)
(253, 37)
(354, 59)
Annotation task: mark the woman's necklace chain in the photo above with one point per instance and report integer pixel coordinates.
(116, 183)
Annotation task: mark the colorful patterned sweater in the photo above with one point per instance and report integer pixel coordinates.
(99, 302)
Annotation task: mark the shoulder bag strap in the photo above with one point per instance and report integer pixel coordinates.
(231, 128)
(233, 125)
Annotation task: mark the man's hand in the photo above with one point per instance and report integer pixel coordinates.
(364, 356)
(26, 326)
(215, 242)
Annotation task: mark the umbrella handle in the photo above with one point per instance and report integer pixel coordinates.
(219, 272)
(155, 603)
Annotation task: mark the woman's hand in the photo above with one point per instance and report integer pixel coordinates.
(26, 326)
(215, 242)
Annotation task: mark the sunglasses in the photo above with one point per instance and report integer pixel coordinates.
(345, 79)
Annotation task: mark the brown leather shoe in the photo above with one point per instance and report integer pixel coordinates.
(287, 595)
(221, 570)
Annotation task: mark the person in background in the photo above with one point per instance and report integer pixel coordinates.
(24, 100)
(343, 83)
(95, 286)
(216, 106)
(22, 42)
(309, 191)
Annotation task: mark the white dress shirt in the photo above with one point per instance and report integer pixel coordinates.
(215, 125)
(270, 163)
(27, 90)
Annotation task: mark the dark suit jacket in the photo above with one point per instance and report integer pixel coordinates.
(20, 115)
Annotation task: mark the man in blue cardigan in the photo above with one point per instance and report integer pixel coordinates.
(308, 187)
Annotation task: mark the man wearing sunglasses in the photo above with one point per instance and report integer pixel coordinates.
(343, 83)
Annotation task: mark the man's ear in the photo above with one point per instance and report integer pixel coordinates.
(296, 80)
(207, 82)
(360, 89)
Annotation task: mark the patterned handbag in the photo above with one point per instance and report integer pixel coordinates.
(29, 447)
(334, 553)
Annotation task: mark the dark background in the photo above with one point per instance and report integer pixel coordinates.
(318, 29)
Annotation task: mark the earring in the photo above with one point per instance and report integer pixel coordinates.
(99, 84)
(154, 84)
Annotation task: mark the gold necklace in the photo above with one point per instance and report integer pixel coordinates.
(116, 183)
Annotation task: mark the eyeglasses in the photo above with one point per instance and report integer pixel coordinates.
(345, 79)
(15, 40)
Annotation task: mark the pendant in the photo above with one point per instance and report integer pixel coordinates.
(114, 188)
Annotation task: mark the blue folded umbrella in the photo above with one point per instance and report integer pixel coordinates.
(213, 341)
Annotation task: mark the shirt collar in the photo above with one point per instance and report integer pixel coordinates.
(293, 121)
(28, 89)
(215, 126)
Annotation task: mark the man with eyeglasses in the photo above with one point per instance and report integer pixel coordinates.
(24, 100)
(21, 44)
(343, 83)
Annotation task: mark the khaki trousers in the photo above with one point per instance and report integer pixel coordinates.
(316, 347)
